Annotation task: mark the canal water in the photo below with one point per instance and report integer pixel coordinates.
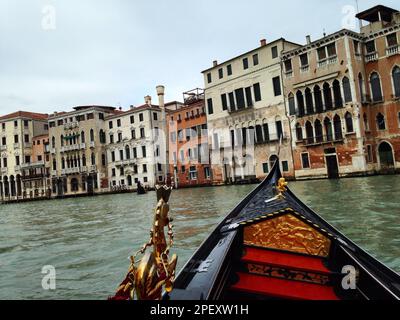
(89, 240)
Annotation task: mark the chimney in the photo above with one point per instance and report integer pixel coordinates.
(215, 63)
(132, 107)
(147, 100)
(263, 42)
(160, 93)
(308, 38)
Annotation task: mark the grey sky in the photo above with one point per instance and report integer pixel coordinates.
(114, 52)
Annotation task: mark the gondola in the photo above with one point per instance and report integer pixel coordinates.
(140, 189)
(273, 247)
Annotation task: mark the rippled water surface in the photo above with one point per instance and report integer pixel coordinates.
(89, 240)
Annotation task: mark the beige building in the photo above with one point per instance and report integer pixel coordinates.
(78, 159)
(247, 122)
(17, 131)
(134, 150)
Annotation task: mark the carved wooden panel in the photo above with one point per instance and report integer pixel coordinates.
(287, 233)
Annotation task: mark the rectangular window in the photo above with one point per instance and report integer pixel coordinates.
(120, 137)
(26, 138)
(112, 156)
(245, 63)
(3, 125)
(288, 66)
(229, 69)
(369, 154)
(17, 162)
(110, 125)
(255, 60)
(133, 134)
(224, 102)
(321, 54)
(274, 52)
(331, 48)
(285, 166)
(16, 139)
(305, 160)
(132, 119)
(113, 172)
(304, 60)
(210, 106)
(141, 118)
(101, 116)
(135, 153)
(207, 173)
(356, 45)
(370, 46)
(221, 73)
(145, 168)
(15, 124)
(277, 86)
(111, 138)
(209, 78)
(26, 123)
(257, 92)
(232, 101)
(239, 94)
(142, 133)
(144, 153)
(265, 168)
(391, 40)
(121, 155)
(155, 116)
(249, 98)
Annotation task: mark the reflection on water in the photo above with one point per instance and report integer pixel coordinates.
(89, 240)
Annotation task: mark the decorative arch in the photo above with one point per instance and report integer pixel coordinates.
(349, 122)
(347, 90)
(376, 86)
(319, 133)
(396, 81)
(386, 155)
(300, 103)
(337, 125)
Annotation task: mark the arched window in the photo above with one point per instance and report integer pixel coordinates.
(53, 142)
(319, 105)
(84, 161)
(83, 137)
(128, 152)
(300, 103)
(396, 81)
(103, 159)
(62, 140)
(366, 123)
(380, 121)
(337, 124)
(299, 132)
(349, 122)
(347, 90)
(328, 129)
(337, 94)
(102, 136)
(309, 133)
(319, 135)
(361, 87)
(309, 102)
(93, 159)
(292, 105)
(376, 87)
(129, 180)
(328, 96)
(91, 135)
(62, 163)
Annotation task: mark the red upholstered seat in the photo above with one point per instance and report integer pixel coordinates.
(283, 289)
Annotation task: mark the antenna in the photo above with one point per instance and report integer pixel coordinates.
(358, 11)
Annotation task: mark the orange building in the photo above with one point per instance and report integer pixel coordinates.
(188, 142)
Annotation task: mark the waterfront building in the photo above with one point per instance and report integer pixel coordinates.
(247, 122)
(17, 133)
(78, 159)
(189, 158)
(379, 88)
(134, 147)
(329, 105)
(36, 174)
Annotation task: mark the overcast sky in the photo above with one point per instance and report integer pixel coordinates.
(56, 54)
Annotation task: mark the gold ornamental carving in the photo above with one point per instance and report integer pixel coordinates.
(287, 233)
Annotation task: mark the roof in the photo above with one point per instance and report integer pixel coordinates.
(249, 52)
(372, 14)
(78, 108)
(134, 110)
(26, 115)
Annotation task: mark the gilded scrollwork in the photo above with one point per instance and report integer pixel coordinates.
(287, 233)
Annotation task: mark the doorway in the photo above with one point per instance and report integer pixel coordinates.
(386, 156)
(332, 163)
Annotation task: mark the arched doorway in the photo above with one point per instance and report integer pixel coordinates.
(6, 187)
(12, 185)
(19, 186)
(386, 158)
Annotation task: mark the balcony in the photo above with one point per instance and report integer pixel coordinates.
(4, 171)
(28, 145)
(92, 144)
(241, 108)
(37, 164)
(70, 171)
(71, 125)
(304, 69)
(393, 50)
(93, 169)
(74, 147)
(320, 140)
(372, 56)
(3, 148)
(53, 173)
(289, 74)
(53, 151)
(16, 146)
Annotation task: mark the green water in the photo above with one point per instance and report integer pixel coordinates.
(89, 240)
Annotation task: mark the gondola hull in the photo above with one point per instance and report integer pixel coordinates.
(272, 246)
